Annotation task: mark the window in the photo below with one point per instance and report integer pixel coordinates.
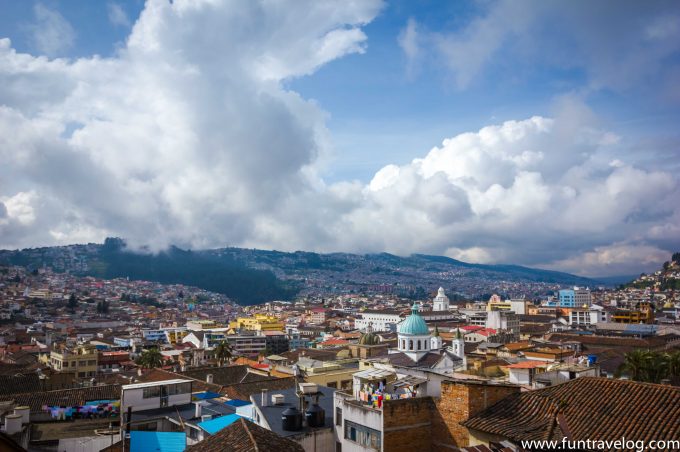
(65, 363)
(91, 362)
(332, 384)
(338, 416)
(362, 435)
(149, 393)
(81, 374)
(180, 388)
(418, 344)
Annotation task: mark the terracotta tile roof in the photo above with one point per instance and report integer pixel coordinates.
(427, 361)
(226, 375)
(245, 436)
(66, 397)
(592, 408)
(17, 384)
(243, 391)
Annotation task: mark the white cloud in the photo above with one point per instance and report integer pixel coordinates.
(409, 42)
(618, 45)
(51, 32)
(117, 15)
(189, 136)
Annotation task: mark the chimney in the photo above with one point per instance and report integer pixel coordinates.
(199, 410)
(264, 397)
(12, 424)
(209, 378)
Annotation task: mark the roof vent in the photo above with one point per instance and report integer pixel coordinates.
(278, 399)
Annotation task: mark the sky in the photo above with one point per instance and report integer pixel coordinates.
(526, 132)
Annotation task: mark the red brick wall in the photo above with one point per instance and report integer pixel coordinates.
(407, 424)
(459, 401)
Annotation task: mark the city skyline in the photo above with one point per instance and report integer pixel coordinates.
(542, 135)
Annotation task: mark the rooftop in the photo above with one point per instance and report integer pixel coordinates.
(154, 383)
(590, 407)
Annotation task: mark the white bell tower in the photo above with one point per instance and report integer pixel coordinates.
(441, 301)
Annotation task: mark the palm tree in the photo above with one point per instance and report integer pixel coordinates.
(223, 353)
(635, 364)
(151, 358)
(673, 363)
(657, 367)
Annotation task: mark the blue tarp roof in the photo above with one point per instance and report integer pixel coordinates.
(236, 403)
(215, 425)
(157, 441)
(206, 395)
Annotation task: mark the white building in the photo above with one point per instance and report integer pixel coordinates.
(386, 320)
(156, 394)
(441, 301)
(502, 320)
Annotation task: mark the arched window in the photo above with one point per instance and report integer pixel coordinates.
(410, 345)
(418, 344)
(426, 344)
(403, 344)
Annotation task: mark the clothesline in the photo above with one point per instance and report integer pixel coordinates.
(106, 409)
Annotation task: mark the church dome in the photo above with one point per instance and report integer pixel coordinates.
(369, 339)
(414, 324)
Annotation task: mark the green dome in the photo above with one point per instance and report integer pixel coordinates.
(369, 339)
(414, 324)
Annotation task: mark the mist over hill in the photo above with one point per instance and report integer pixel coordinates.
(251, 276)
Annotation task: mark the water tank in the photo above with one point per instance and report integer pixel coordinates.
(12, 424)
(291, 419)
(592, 359)
(316, 416)
(24, 412)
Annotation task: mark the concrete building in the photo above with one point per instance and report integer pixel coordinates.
(503, 320)
(81, 360)
(386, 320)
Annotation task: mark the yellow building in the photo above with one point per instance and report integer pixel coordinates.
(175, 335)
(259, 322)
(644, 314)
(81, 360)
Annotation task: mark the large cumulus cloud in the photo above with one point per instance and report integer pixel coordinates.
(189, 136)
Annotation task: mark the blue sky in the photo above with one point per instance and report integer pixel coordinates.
(406, 76)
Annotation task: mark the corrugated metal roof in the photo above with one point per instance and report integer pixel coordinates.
(236, 403)
(205, 395)
(157, 441)
(215, 425)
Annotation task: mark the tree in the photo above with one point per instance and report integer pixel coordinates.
(72, 302)
(673, 363)
(635, 364)
(151, 358)
(657, 367)
(103, 307)
(223, 353)
(676, 257)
